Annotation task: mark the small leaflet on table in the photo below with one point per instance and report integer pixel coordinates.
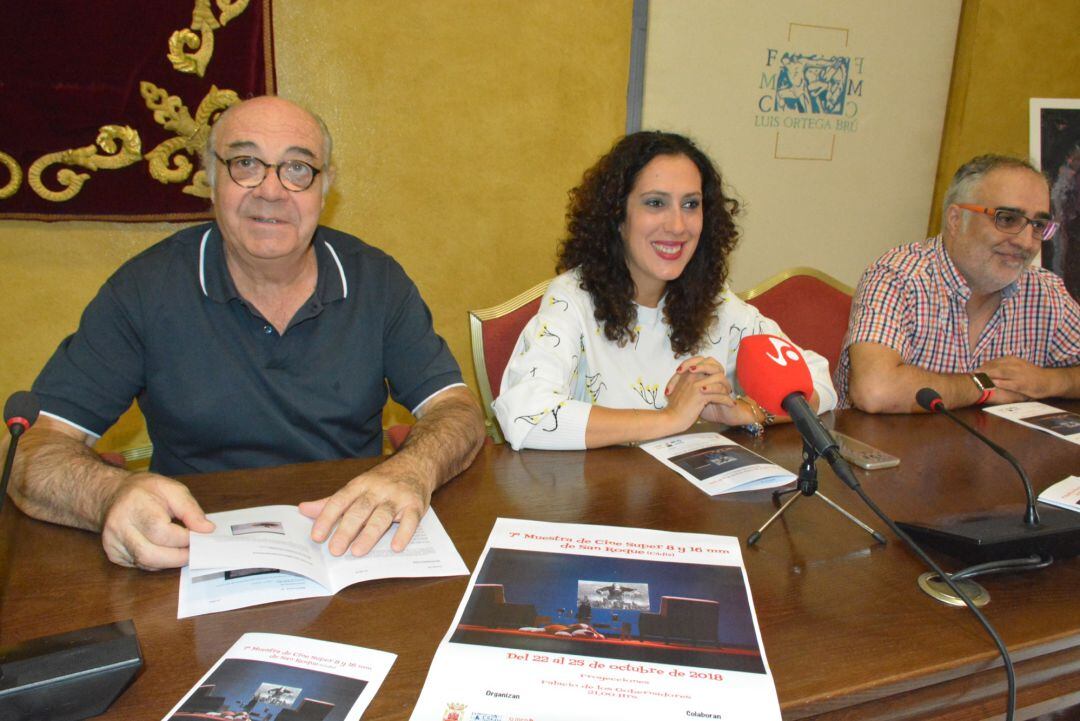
(1041, 417)
(716, 464)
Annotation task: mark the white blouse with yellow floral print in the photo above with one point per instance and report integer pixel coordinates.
(562, 365)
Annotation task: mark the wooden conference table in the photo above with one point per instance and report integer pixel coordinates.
(847, 632)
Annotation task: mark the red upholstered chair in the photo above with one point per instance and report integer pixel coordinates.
(397, 434)
(812, 308)
(493, 332)
(137, 459)
(113, 458)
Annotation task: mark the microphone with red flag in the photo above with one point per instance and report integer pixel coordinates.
(769, 369)
(773, 372)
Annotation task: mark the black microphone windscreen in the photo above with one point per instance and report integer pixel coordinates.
(926, 398)
(22, 404)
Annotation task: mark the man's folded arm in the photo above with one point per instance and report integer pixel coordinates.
(58, 478)
(880, 382)
(448, 434)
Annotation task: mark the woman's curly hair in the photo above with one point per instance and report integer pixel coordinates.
(595, 246)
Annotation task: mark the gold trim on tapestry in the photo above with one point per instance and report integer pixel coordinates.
(15, 181)
(202, 20)
(166, 165)
(118, 156)
(119, 146)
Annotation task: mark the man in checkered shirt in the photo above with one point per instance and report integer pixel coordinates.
(965, 312)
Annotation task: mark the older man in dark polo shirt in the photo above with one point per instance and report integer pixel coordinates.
(260, 339)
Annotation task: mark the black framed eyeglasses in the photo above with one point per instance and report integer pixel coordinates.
(247, 171)
(1012, 222)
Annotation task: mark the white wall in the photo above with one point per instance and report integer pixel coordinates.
(830, 197)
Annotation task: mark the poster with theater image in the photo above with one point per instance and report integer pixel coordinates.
(572, 621)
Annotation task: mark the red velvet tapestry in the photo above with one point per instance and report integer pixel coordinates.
(105, 104)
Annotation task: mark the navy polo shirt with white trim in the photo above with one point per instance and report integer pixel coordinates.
(220, 388)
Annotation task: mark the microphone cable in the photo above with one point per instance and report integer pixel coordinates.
(1010, 673)
(772, 371)
(1032, 563)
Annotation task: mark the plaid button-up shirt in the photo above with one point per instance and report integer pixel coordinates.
(913, 299)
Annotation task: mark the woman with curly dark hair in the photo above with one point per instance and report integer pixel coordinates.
(637, 337)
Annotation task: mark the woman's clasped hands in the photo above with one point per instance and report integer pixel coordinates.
(700, 389)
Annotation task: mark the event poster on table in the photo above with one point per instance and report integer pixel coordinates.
(572, 621)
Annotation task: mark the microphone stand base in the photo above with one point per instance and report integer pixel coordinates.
(1001, 534)
(808, 486)
(932, 585)
(69, 676)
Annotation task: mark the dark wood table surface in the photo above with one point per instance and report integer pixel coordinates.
(847, 632)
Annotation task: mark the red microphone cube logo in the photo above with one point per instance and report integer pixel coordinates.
(770, 368)
(783, 352)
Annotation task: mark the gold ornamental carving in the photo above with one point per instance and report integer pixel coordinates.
(191, 53)
(118, 155)
(15, 173)
(168, 162)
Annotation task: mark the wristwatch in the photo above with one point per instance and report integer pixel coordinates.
(985, 386)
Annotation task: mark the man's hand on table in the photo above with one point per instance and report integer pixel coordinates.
(146, 524)
(366, 506)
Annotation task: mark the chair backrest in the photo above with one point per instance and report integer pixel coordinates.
(811, 307)
(494, 332)
(396, 434)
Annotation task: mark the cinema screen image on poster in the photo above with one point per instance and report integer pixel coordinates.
(684, 614)
(247, 690)
(708, 462)
(1066, 424)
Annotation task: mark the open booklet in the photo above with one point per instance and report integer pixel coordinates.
(270, 676)
(1042, 417)
(1064, 494)
(265, 554)
(571, 622)
(717, 464)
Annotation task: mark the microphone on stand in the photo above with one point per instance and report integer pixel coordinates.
(68, 676)
(930, 400)
(773, 372)
(1006, 533)
(20, 412)
(780, 378)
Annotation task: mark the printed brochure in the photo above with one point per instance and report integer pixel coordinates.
(265, 554)
(717, 464)
(269, 676)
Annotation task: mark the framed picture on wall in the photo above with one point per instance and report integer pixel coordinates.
(1055, 147)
